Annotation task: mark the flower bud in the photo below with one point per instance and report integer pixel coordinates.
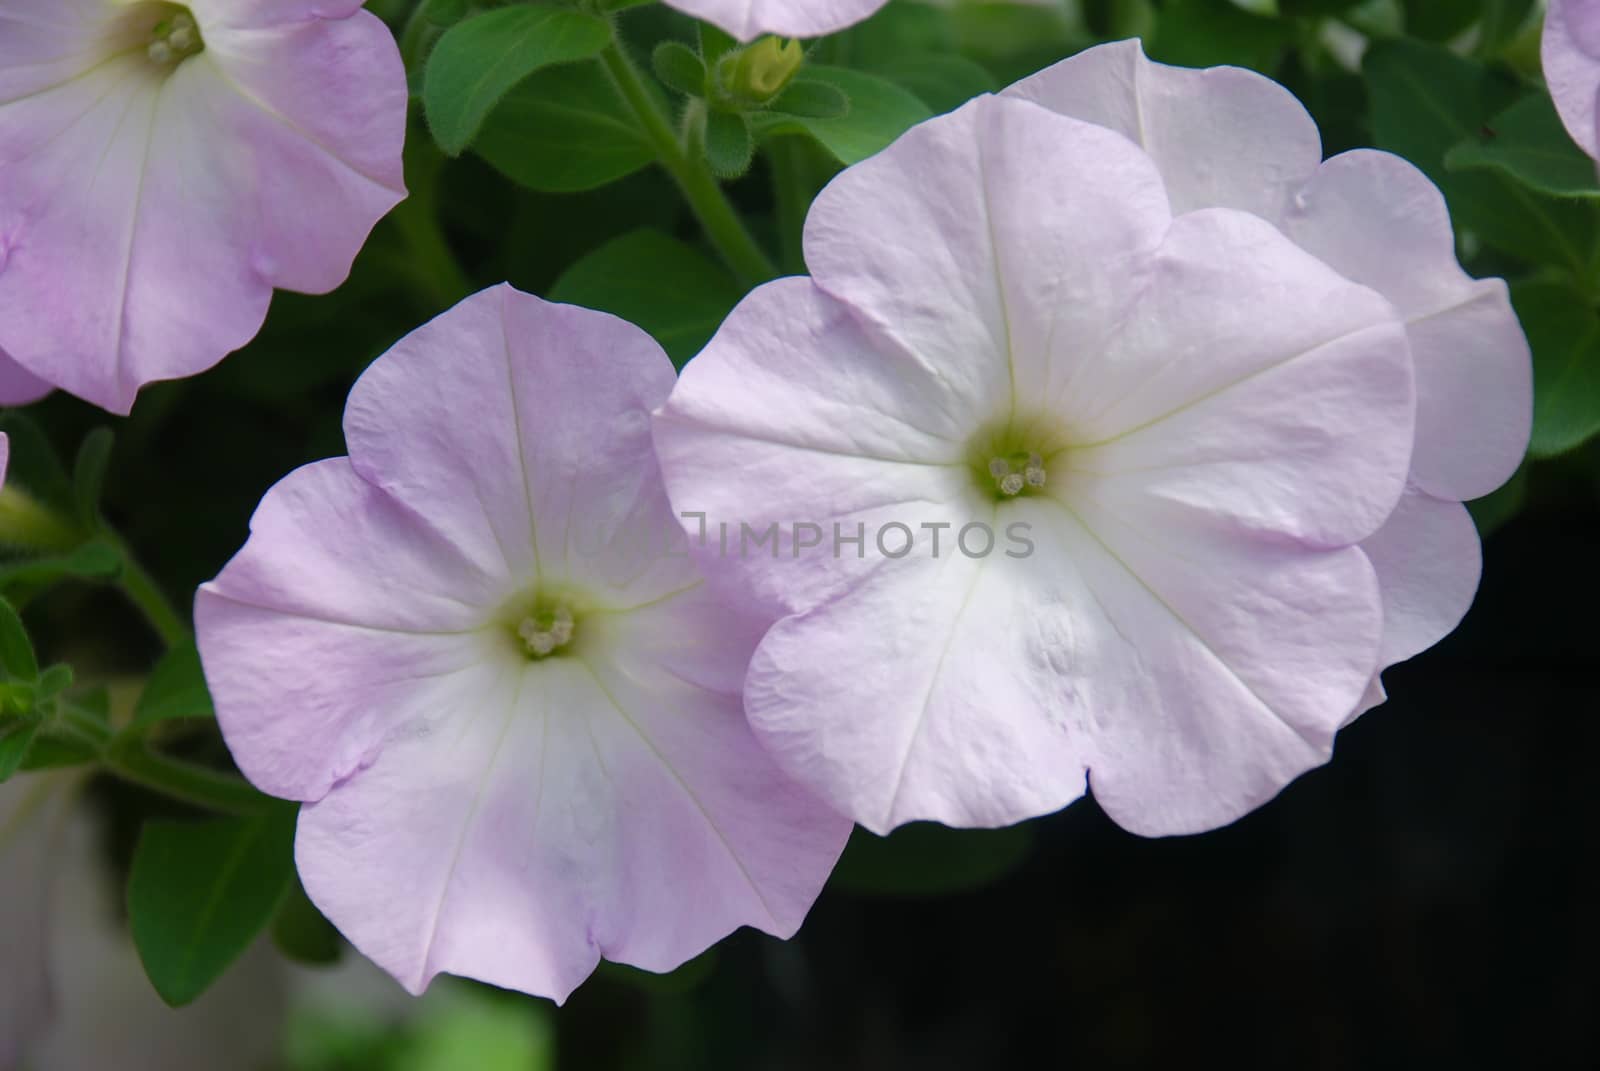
(758, 73)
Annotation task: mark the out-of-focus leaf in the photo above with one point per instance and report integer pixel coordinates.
(1205, 33)
(34, 462)
(626, 275)
(1493, 510)
(17, 659)
(943, 82)
(563, 130)
(92, 561)
(483, 1031)
(880, 111)
(1440, 20)
(301, 932)
(1425, 101)
(812, 100)
(176, 689)
(89, 474)
(17, 736)
(200, 892)
(1528, 143)
(1564, 331)
(478, 61)
(679, 67)
(923, 859)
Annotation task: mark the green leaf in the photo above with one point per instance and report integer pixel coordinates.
(301, 932)
(729, 146)
(17, 735)
(34, 462)
(1528, 142)
(562, 131)
(17, 660)
(1564, 331)
(1425, 101)
(880, 111)
(176, 689)
(429, 21)
(477, 62)
(55, 680)
(93, 561)
(1205, 33)
(812, 100)
(942, 81)
(679, 67)
(1438, 21)
(923, 859)
(200, 892)
(89, 474)
(624, 277)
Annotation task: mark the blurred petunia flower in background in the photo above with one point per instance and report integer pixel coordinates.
(164, 167)
(749, 19)
(1571, 58)
(512, 710)
(1194, 421)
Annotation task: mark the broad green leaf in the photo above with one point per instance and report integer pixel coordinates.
(625, 277)
(923, 859)
(478, 61)
(1564, 331)
(176, 689)
(729, 146)
(429, 21)
(89, 474)
(943, 82)
(17, 660)
(1205, 33)
(301, 932)
(1425, 101)
(200, 892)
(562, 131)
(880, 111)
(1528, 143)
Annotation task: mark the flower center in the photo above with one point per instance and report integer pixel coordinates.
(174, 37)
(1010, 457)
(547, 628)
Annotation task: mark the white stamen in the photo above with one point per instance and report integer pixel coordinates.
(540, 642)
(999, 469)
(159, 52)
(1034, 475)
(1012, 484)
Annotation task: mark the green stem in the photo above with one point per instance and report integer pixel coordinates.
(793, 190)
(690, 171)
(184, 781)
(141, 589)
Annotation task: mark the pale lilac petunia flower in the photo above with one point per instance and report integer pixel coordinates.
(749, 19)
(1233, 138)
(1571, 57)
(163, 168)
(1175, 430)
(513, 710)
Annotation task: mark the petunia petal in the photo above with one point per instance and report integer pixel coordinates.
(549, 821)
(18, 386)
(342, 618)
(1197, 410)
(1379, 221)
(518, 428)
(749, 19)
(1428, 561)
(950, 247)
(1571, 59)
(1221, 137)
(793, 414)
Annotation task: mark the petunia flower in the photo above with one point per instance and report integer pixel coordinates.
(513, 715)
(749, 19)
(1137, 452)
(1571, 56)
(164, 167)
(1232, 138)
